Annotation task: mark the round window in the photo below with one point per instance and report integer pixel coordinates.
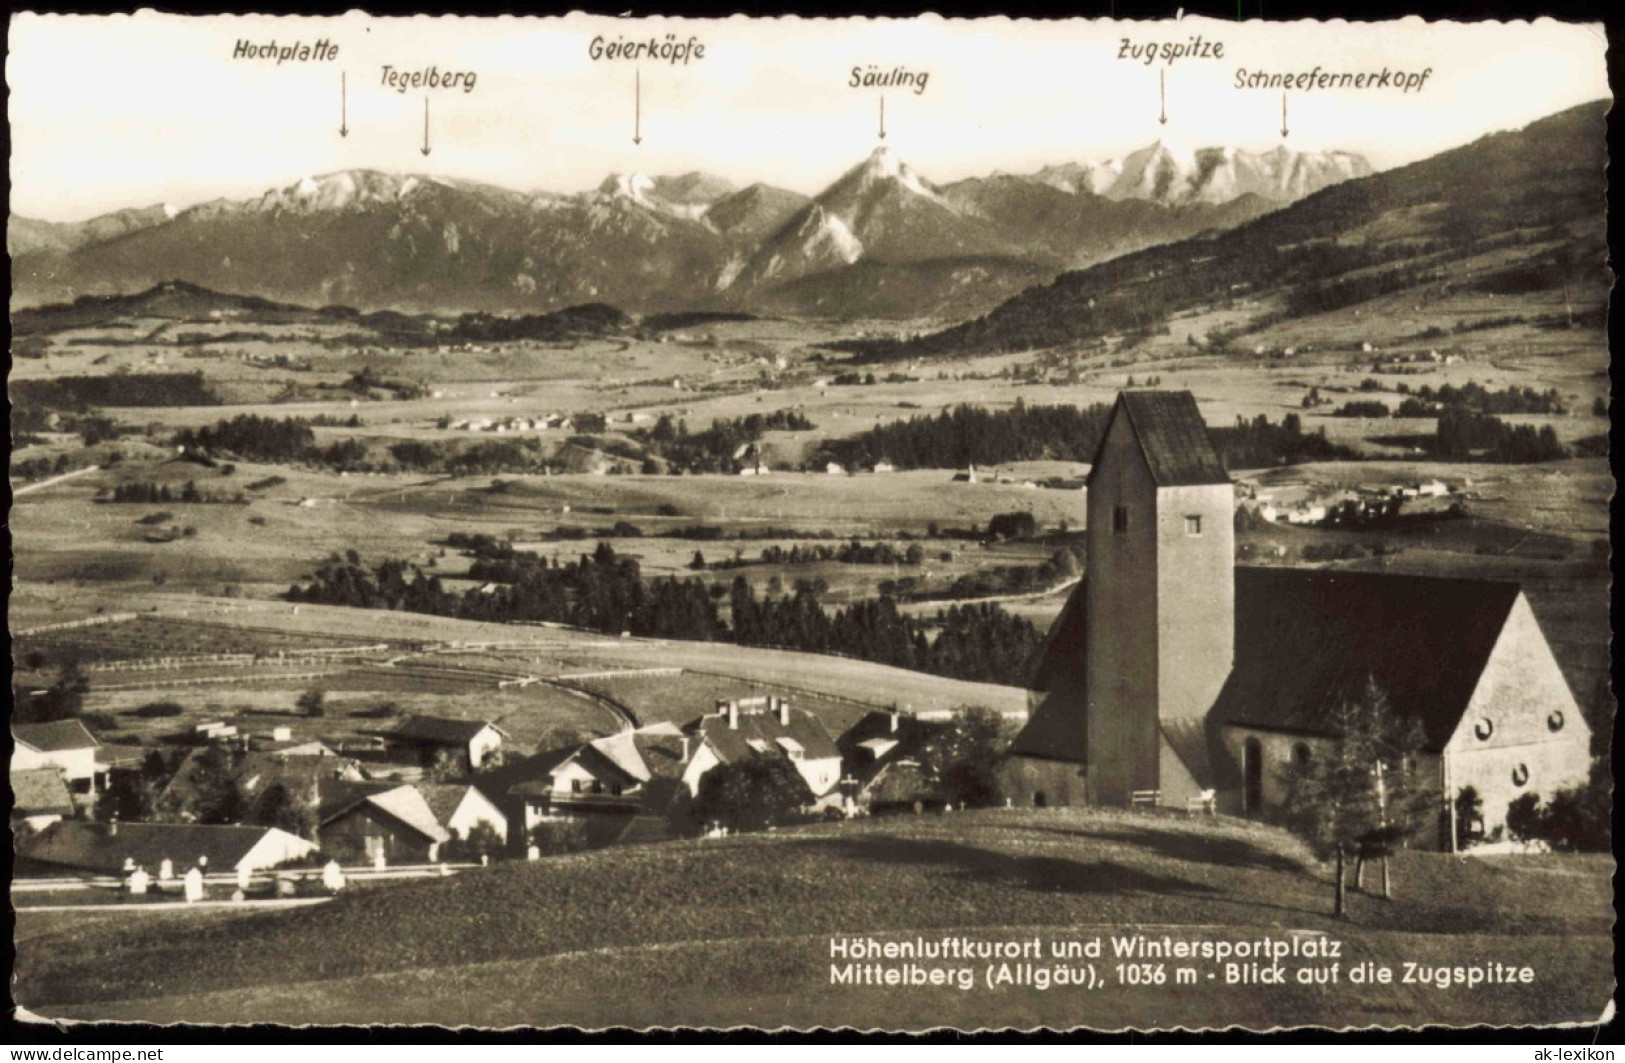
(1483, 729)
(1520, 775)
(1554, 722)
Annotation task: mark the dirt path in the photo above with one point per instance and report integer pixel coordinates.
(18, 492)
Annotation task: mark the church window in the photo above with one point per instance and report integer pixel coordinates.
(1193, 525)
(1483, 729)
(1120, 520)
(1554, 721)
(1300, 753)
(1520, 775)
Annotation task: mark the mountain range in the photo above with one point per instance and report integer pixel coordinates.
(882, 239)
(1511, 214)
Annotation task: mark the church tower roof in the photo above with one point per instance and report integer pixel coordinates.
(1172, 436)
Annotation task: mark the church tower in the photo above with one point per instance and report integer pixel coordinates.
(1159, 632)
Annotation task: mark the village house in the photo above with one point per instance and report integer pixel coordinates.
(764, 726)
(361, 822)
(618, 785)
(39, 797)
(1174, 677)
(460, 808)
(113, 848)
(469, 741)
(881, 757)
(65, 745)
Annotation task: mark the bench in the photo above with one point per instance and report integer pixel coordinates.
(1206, 801)
(1149, 798)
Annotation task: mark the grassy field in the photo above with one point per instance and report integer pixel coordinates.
(738, 931)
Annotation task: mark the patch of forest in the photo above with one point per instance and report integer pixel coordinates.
(606, 592)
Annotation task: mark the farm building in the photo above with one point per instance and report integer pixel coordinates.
(470, 741)
(363, 821)
(881, 758)
(460, 808)
(763, 726)
(111, 848)
(619, 784)
(1171, 672)
(40, 797)
(61, 744)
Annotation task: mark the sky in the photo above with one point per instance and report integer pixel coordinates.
(121, 111)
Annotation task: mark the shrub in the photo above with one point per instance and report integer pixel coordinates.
(555, 836)
(156, 709)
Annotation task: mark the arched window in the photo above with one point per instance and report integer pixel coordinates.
(1520, 775)
(1554, 720)
(1300, 753)
(1483, 729)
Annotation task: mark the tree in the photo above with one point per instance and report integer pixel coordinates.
(1576, 819)
(481, 840)
(1356, 795)
(443, 766)
(699, 561)
(750, 794)
(62, 700)
(280, 807)
(963, 758)
(214, 783)
(313, 702)
(565, 834)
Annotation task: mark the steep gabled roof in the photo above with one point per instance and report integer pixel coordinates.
(443, 799)
(40, 792)
(1304, 639)
(54, 737)
(1172, 435)
(733, 744)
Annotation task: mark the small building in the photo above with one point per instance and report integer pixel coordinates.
(108, 848)
(763, 726)
(621, 786)
(881, 757)
(461, 807)
(361, 821)
(62, 744)
(40, 797)
(471, 741)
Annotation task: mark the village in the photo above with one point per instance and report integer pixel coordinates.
(425, 794)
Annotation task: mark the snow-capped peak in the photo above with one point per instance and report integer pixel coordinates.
(633, 186)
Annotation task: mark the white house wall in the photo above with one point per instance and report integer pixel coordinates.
(1515, 702)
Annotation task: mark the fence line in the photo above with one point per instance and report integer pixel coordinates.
(68, 625)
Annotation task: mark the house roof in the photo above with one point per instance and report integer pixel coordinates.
(1304, 639)
(440, 730)
(93, 846)
(444, 798)
(55, 736)
(732, 744)
(40, 791)
(1173, 437)
(401, 801)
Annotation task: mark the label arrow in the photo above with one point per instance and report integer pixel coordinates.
(425, 125)
(637, 107)
(1283, 114)
(1162, 85)
(344, 108)
(882, 118)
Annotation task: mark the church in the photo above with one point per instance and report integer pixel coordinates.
(1172, 677)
